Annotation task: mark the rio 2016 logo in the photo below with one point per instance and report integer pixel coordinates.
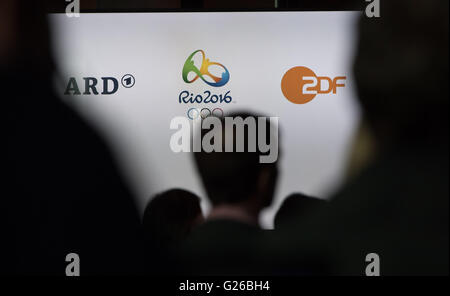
(204, 72)
(300, 85)
(213, 74)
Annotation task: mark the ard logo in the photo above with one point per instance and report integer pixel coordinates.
(97, 86)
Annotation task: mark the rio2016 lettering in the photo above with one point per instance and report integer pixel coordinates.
(206, 97)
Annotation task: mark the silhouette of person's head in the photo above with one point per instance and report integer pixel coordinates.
(401, 70)
(295, 206)
(239, 181)
(170, 216)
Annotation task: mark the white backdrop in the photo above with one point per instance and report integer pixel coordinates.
(256, 47)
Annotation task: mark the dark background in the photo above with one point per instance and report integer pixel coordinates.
(155, 5)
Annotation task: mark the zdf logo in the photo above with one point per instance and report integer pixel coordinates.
(301, 85)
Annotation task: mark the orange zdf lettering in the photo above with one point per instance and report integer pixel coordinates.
(301, 85)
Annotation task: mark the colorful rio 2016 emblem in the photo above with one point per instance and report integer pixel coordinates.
(204, 71)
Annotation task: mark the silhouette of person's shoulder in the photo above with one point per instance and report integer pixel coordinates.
(72, 198)
(222, 247)
(223, 230)
(396, 208)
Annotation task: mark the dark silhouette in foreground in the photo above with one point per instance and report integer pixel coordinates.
(168, 220)
(397, 207)
(61, 191)
(294, 207)
(239, 187)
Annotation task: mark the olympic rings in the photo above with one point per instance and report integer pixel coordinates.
(195, 113)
